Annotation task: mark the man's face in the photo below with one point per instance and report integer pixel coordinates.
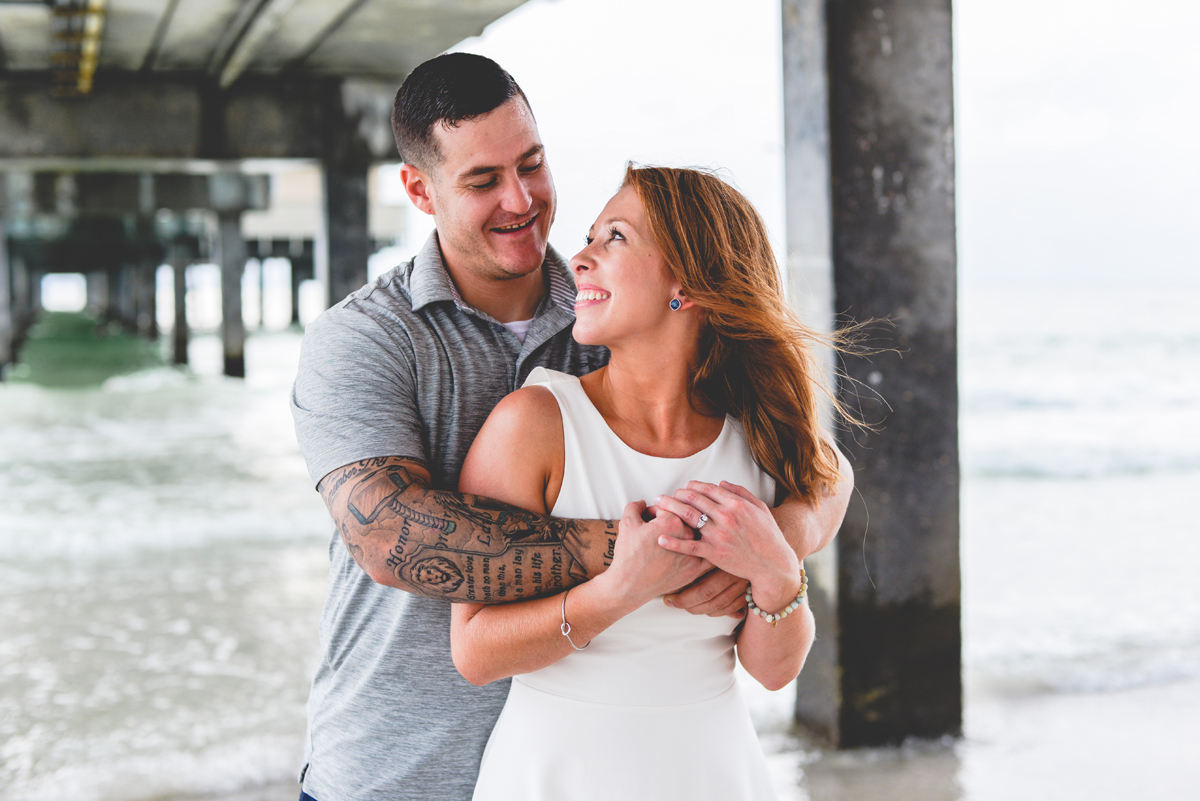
(492, 196)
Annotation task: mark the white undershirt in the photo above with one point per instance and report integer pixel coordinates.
(519, 327)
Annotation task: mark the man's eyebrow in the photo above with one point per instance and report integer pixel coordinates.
(475, 172)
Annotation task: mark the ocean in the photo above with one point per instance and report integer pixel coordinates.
(163, 561)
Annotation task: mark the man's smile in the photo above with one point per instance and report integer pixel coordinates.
(515, 227)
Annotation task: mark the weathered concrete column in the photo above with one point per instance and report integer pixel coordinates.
(179, 333)
(7, 329)
(810, 285)
(127, 296)
(35, 294)
(262, 293)
(300, 257)
(147, 299)
(22, 310)
(892, 167)
(346, 227)
(295, 281)
(233, 266)
(98, 294)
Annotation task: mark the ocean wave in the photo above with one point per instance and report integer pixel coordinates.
(1101, 671)
(1076, 466)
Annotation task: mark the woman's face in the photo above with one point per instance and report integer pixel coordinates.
(623, 285)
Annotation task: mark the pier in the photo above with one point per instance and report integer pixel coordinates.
(157, 154)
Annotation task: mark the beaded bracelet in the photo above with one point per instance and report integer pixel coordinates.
(774, 618)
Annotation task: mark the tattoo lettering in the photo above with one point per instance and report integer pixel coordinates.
(463, 548)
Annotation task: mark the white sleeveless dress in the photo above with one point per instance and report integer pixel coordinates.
(650, 709)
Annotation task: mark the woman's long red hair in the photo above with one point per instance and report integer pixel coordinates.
(755, 355)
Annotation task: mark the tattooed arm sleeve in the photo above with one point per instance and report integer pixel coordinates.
(457, 547)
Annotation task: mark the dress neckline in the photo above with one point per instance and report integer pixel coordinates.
(591, 407)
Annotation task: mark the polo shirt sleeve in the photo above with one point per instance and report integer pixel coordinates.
(355, 393)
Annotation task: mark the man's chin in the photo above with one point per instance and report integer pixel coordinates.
(522, 263)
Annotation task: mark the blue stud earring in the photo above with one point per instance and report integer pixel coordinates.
(675, 304)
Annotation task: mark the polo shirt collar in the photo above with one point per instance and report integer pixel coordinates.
(431, 283)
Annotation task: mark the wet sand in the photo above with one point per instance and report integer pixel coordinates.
(1109, 746)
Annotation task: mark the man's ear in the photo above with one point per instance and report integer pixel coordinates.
(417, 185)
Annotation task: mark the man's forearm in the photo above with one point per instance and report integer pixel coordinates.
(810, 526)
(457, 547)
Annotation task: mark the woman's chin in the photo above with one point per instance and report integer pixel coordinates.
(587, 337)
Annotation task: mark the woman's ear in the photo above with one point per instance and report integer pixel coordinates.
(680, 301)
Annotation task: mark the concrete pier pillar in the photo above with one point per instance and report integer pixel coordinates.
(146, 289)
(233, 266)
(179, 333)
(127, 297)
(295, 281)
(35, 294)
(892, 170)
(22, 311)
(98, 294)
(300, 257)
(348, 236)
(262, 293)
(810, 285)
(7, 329)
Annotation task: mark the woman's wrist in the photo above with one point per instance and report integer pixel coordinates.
(773, 593)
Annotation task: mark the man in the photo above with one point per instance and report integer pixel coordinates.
(394, 382)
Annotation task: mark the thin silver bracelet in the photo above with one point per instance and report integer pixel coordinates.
(775, 617)
(565, 628)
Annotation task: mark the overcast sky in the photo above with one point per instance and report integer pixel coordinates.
(1077, 120)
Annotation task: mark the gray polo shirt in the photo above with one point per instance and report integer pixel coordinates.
(403, 367)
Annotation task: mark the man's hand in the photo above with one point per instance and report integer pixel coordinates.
(715, 594)
(640, 568)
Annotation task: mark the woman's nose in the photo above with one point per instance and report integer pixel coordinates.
(580, 262)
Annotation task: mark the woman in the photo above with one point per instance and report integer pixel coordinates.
(709, 379)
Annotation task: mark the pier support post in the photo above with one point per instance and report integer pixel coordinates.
(98, 294)
(347, 233)
(126, 300)
(22, 314)
(7, 330)
(179, 333)
(233, 266)
(295, 281)
(810, 286)
(892, 169)
(147, 298)
(300, 257)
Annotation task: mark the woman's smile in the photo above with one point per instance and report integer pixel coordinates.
(589, 295)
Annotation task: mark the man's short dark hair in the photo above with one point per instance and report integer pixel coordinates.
(448, 90)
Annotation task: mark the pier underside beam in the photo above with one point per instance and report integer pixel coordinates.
(136, 117)
(896, 669)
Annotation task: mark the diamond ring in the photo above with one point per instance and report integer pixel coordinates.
(703, 519)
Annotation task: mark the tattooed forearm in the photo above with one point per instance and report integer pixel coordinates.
(463, 548)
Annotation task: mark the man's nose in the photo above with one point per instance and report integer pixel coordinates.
(517, 197)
